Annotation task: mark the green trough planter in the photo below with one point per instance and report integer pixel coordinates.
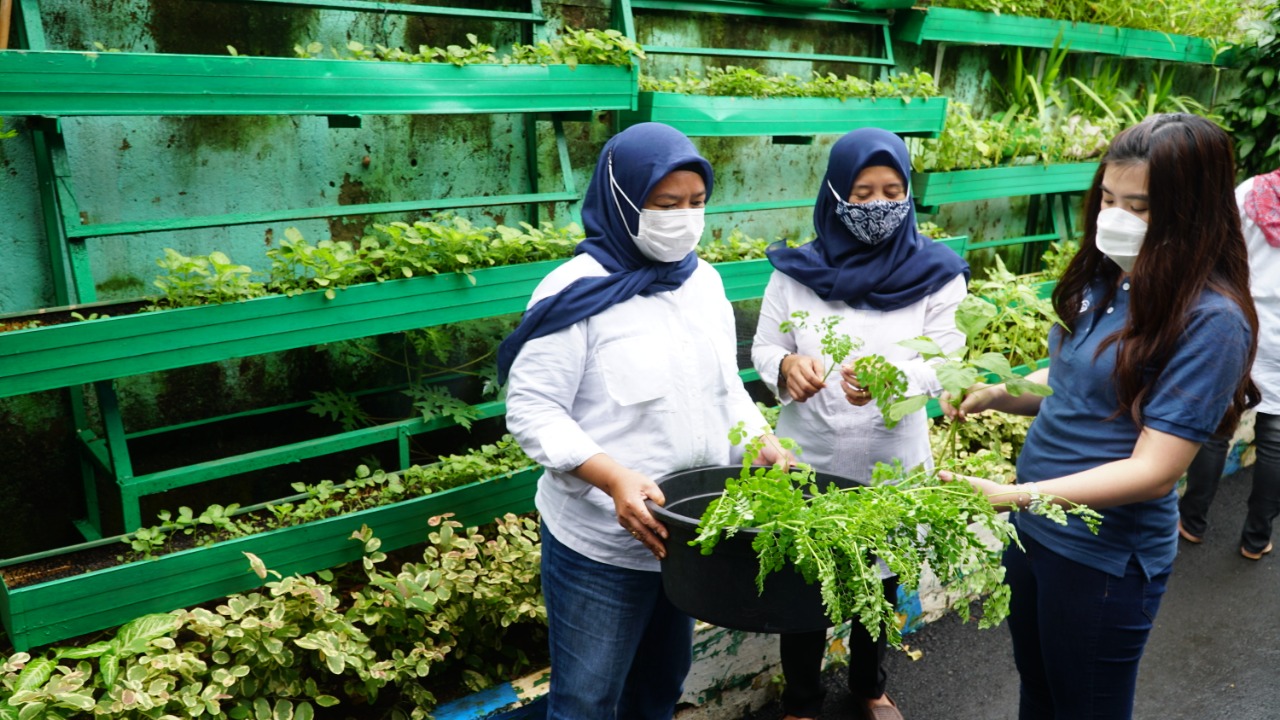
(90, 83)
(715, 116)
(939, 188)
(59, 609)
(74, 353)
(971, 27)
(56, 356)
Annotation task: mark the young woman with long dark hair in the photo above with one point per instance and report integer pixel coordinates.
(1152, 359)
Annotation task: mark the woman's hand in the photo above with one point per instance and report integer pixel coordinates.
(1001, 496)
(772, 453)
(629, 490)
(854, 391)
(802, 376)
(976, 400)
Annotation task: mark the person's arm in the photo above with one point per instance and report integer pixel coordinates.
(542, 388)
(791, 376)
(997, 397)
(1158, 461)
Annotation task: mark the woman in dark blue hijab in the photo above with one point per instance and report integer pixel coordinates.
(872, 270)
(624, 370)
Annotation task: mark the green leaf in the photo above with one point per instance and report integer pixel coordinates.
(136, 635)
(35, 674)
(905, 407)
(925, 346)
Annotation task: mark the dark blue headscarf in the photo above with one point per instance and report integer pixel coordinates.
(642, 155)
(837, 266)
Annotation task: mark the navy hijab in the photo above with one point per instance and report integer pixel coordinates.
(837, 266)
(642, 155)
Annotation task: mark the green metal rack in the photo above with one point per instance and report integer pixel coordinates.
(45, 85)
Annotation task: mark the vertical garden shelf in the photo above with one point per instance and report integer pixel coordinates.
(939, 188)
(712, 116)
(969, 27)
(59, 609)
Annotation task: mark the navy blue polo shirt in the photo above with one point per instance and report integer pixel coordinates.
(1073, 432)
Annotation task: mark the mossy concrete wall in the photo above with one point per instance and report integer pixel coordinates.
(126, 169)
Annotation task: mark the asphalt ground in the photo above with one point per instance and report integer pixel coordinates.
(1214, 653)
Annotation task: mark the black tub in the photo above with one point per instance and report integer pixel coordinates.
(720, 588)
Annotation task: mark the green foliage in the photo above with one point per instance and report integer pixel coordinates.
(886, 384)
(573, 48)
(434, 402)
(733, 81)
(1251, 112)
(204, 279)
(299, 643)
(1057, 257)
(317, 501)
(738, 246)
(833, 536)
(1004, 315)
(836, 346)
(341, 407)
(933, 231)
(6, 134)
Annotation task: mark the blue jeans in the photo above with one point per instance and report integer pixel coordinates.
(619, 649)
(1078, 634)
(1264, 499)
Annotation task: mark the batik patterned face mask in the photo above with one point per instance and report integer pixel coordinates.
(874, 221)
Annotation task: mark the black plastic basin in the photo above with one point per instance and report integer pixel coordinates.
(720, 588)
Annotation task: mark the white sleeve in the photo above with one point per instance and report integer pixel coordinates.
(541, 389)
(939, 326)
(770, 344)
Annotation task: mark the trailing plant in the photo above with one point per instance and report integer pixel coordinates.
(574, 47)
(1251, 112)
(301, 643)
(737, 81)
(833, 536)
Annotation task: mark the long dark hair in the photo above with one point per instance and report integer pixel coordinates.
(1195, 234)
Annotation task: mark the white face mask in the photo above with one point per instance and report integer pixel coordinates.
(663, 235)
(1120, 235)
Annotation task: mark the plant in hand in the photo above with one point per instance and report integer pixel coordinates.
(835, 345)
(906, 518)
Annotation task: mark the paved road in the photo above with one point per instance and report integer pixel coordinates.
(1214, 653)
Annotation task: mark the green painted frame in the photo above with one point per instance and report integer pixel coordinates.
(971, 27)
(60, 609)
(719, 116)
(931, 189)
(63, 83)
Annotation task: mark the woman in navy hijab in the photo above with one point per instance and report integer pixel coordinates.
(623, 370)
(872, 269)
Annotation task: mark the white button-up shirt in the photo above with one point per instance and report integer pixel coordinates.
(652, 382)
(1264, 282)
(838, 437)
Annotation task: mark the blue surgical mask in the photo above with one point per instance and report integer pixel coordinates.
(874, 221)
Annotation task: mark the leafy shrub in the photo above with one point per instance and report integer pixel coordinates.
(1252, 113)
(736, 81)
(573, 48)
(299, 644)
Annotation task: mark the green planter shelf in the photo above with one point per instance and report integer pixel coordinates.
(87, 83)
(60, 609)
(716, 116)
(45, 358)
(970, 27)
(939, 188)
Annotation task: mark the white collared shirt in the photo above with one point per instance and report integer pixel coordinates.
(652, 382)
(838, 437)
(1264, 283)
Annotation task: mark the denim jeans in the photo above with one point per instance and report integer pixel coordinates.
(803, 653)
(1078, 634)
(1264, 500)
(619, 649)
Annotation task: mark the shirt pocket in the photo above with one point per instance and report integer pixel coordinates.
(637, 372)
